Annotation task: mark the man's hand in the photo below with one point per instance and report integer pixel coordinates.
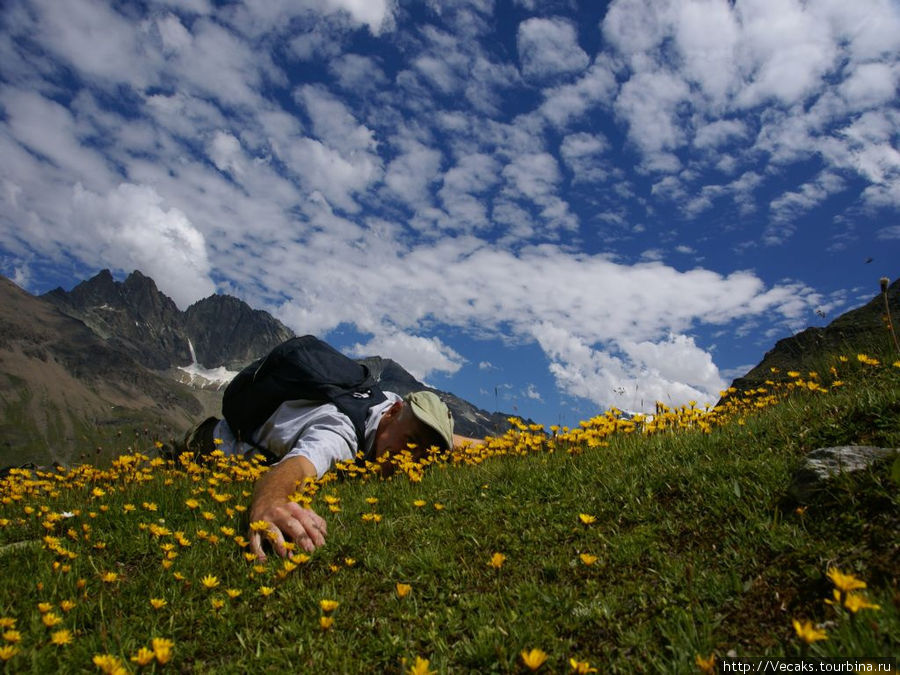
(287, 520)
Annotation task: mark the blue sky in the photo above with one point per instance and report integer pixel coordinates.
(547, 208)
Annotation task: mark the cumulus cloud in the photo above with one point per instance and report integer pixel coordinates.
(582, 154)
(549, 47)
(812, 64)
(419, 355)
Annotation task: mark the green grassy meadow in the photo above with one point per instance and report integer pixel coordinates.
(623, 546)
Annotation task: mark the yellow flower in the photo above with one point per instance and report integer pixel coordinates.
(328, 605)
(586, 518)
(372, 500)
(845, 582)
(856, 601)
(497, 560)
(419, 503)
(7, 622)
(61, 637)
(192, 503)
(97, 492)
(259, 526)
(162, 649)
(808, 633)
(403, 590)
(44, 607)
(216, 603)
(588, 559)
(232, 593)
(438, 506)
(707, 665)
(67, 605)
(581, 667)
(210, 581)
(143, 657)
(12, 636)
(50, 619)
(349, 562)
(109, 664)
(158, 603)
(533, 659)
(325, 622)
(420, 667)
(109, 577)
(7, 652)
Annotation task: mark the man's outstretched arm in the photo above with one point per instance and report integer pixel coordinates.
(287, 520)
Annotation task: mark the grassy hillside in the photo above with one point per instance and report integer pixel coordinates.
(639, 546)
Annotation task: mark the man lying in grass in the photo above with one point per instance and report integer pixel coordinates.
(309, 438)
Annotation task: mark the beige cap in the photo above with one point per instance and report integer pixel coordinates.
(431, 410)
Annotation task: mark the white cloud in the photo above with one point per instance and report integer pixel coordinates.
(535, 177)
(789, 205)
(73, 31)
(718, 133)
(357, 73)
(786, 49)
(549, 48)
(373, 13)
(410, 175)
(870, 85)
(139, 232)
(419, 355)
(582, 153)
(812, 65)
(889, 232)
(571, 101)
(649, 102)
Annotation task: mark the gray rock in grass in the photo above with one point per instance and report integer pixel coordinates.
(825, 463)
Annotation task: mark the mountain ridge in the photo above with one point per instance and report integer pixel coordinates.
(858, 330)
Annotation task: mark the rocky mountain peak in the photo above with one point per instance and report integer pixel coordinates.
(226, 331)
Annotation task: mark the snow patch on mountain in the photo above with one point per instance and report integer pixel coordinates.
(205, 378)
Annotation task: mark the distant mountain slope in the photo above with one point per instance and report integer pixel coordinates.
(860, 330)
(62, 387)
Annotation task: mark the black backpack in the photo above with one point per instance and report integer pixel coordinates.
(300, 368)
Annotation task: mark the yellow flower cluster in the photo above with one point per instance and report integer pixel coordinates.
(844, 595)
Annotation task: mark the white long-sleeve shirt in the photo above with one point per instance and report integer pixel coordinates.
(311, 429)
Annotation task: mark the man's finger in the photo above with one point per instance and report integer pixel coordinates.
(273, 534)
(313, 524)
(256, 546)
